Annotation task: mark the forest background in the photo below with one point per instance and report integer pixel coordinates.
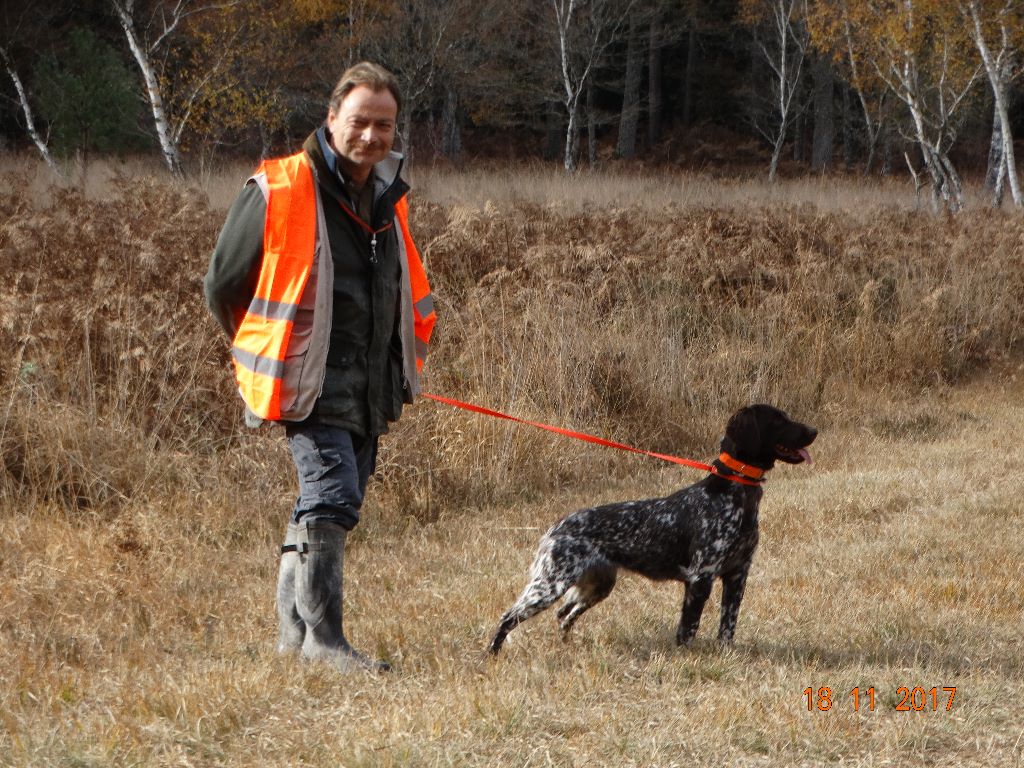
(927, 88)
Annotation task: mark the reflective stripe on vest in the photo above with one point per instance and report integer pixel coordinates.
(289, 240)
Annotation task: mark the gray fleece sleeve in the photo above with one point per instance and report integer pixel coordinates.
(235, 265)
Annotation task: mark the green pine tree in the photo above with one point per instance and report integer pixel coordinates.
(89, 97)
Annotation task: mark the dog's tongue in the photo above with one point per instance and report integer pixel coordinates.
(805, 455)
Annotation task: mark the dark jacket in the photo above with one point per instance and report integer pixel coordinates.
(363, 387)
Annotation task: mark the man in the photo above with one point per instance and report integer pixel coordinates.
(316, 280)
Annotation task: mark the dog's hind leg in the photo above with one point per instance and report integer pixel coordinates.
(556, 568)
(590, 589)
(538, 595)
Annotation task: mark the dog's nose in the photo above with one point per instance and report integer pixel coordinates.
(811, 433)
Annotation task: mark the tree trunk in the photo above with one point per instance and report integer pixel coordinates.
(785, 56)
(798, 131)
(405, 135)
(995, 152)
(630, 116)
(776, 154)
(953, 190)
(824, 123)
(569, 158)
(946, 187)
(563, 15)
(654, 84)
(265, 141)
(1009, 159)
(873, 128)
(798, 109)
(848, 147)
(591, 127)
(691, 65)
(998, 76)
(26, 108)
(876, 131)
(553, 131)
(451, 136)
(172, 157)
(887, 139)
(999, 186)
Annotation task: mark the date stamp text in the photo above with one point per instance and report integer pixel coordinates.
(907, 699)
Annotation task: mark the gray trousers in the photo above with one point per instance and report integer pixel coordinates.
(333, 466)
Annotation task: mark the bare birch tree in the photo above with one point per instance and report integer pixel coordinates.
(999, 22)
(26, 108)
(781, 36)
(148, 40)
(584, 29)
(921, 53)
(22, 24)
(922, 60)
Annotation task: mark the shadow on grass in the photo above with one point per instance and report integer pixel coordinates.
(955, 658)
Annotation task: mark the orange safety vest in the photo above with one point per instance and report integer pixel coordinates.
(261, 344)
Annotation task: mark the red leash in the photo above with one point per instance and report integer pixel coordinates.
(569, 433)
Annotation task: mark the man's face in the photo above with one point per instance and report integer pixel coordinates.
(363, 129)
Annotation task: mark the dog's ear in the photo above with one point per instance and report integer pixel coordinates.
(743, 429)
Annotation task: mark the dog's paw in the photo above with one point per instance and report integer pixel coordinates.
(685, 639)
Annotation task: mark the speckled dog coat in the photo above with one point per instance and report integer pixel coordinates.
(706, 531)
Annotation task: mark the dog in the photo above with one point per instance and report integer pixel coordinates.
(702, 532)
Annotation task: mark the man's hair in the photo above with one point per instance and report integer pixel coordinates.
(373, 76)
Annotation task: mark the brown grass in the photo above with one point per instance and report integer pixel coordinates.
(141, 522)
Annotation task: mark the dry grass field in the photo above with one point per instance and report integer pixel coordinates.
(141, 522)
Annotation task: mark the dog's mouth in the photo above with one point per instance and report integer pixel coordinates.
(793, 455)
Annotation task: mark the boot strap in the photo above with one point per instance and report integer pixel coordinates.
(303, 548)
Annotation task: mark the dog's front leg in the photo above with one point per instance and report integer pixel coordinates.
(732, 594)
(697, 592)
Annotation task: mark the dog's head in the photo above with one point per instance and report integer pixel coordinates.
(761, 434)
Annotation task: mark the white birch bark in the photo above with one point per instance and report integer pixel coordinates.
(785, 58)
(931, 121)
(563, 18)
(580, 53)
(168, 131)
(995, 174)
(999, 72)
(168, 146)
(26, 108)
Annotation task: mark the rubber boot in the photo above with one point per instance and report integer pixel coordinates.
(291, 628)
(318, 596)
